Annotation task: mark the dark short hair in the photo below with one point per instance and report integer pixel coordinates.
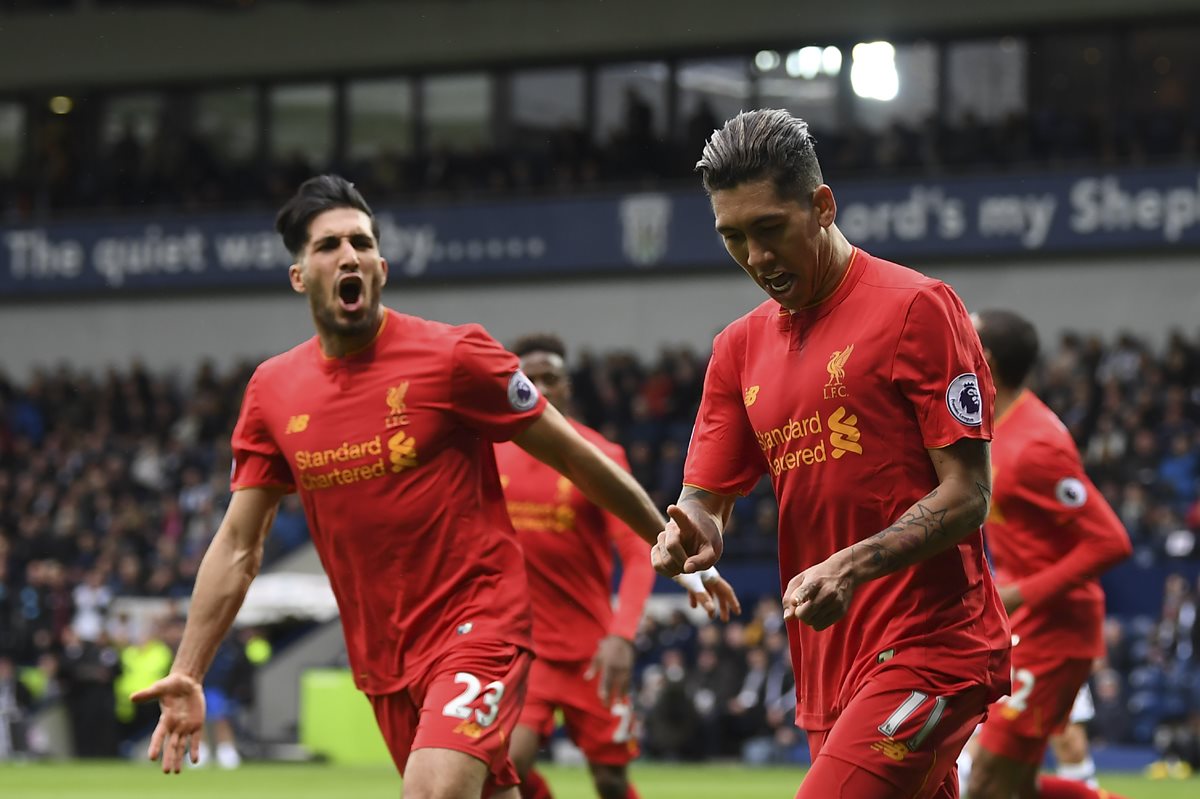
(767, 143)
(1013, 342)
(314, 197)
(539, 342)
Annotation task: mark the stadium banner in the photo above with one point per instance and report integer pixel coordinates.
(1058, 213)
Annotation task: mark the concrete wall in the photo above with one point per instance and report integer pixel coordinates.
(1145, 294)
(115, 46)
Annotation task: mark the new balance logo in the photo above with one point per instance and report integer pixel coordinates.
(297, 424)
(892, 749)
(751, 395)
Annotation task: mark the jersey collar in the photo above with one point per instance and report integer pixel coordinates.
(805, 317)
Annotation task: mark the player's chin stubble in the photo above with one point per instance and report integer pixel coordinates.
(326, 315)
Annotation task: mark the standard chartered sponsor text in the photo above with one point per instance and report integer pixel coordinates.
(794, 437)
(308, 460)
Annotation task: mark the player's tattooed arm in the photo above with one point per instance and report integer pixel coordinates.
(821, 594)
(955, 508)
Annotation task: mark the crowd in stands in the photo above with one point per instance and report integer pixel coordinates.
(182, 170)
(112, 485)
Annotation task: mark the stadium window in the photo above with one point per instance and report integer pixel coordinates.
(1165, 68)
(302, 124)
(131, 115)
(546, 101)
(710, 92)
(12, 125)
(899, 84)
(987, 79)
(785, 80)
(381, 117)
(1073, 72)
(631, 101)
(458, 112)
(226, 120)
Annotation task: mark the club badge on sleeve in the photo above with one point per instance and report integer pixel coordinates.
(522, 393)
(963, 400)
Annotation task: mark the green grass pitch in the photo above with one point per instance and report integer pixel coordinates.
(74, 780)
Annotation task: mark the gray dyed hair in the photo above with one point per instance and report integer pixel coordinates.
(767, 143)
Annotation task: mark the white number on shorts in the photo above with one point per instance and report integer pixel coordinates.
(906, 709)
(1023, 679)
(493, 692)
(459, 706)
(624, 713)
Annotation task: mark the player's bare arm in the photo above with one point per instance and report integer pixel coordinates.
(819, 596)
(230, 564)
(553, 441)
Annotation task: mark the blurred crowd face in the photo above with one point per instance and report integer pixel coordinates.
(784, 244)
(549, 373)
(342, 273)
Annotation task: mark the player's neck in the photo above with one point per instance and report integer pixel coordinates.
(337, 345)
(1005, 397)
(838, 258)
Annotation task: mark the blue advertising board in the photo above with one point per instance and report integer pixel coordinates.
(1147, 209)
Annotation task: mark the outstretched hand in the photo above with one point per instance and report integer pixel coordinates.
(718, 599)
(181, 722)
(691, 542)
(613, 661)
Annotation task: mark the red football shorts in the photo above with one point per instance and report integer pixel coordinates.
(467, 701)
(605, 734)
(1044, 688)
(906, 739)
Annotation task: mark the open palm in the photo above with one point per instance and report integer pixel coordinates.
(181, 722)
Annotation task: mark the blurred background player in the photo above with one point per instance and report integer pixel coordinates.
(1072, 752)
(584, 649)
(384, 424)
(1051, 534)
(860, 387)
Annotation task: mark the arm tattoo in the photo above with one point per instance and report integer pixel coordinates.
(924, 525)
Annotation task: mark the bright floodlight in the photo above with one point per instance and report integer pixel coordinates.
(831, 60)
(804, 63)
(766, 60)
(873, 73)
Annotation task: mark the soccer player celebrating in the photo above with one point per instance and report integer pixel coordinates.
(584, 650)
(861, 389)
(384, 423)
(1051, 534)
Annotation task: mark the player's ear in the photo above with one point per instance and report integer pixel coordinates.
(296, 277)
(383, 267)
(824, 205)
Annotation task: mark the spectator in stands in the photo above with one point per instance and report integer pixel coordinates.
(15, 701)
(88, 671)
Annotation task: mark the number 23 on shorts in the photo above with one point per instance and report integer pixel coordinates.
(460, 707)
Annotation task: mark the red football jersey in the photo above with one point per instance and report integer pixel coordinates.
(391, 451)
(1050, 532)
(568, 543)
(838, 404)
